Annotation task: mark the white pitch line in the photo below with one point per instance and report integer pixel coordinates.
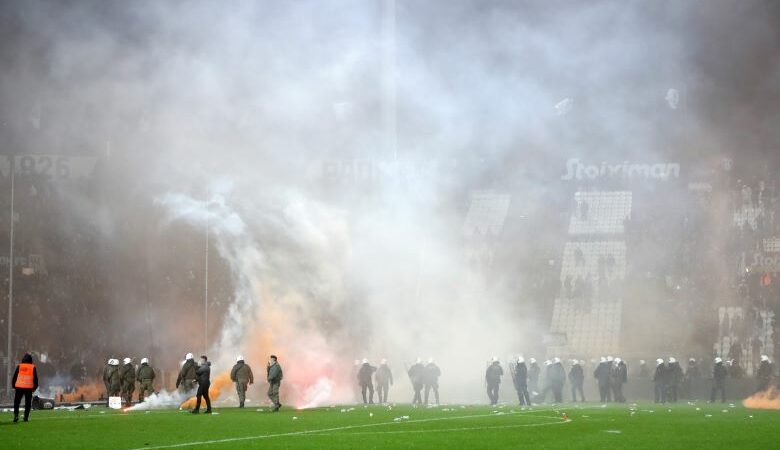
(347, 427)
(445, 430)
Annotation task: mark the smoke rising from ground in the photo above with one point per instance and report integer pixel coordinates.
(257, 120)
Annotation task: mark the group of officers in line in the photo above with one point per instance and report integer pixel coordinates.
(670, 380)
(534, 385)
(423, 376)
(120, 380)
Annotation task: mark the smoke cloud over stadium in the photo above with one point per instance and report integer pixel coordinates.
(326, 161)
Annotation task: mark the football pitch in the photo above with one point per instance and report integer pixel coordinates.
(637, 426)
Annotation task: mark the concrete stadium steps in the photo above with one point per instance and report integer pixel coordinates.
(606, 212)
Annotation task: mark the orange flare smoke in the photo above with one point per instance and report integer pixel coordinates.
(220, 382)
(92, 391)
(769, 399)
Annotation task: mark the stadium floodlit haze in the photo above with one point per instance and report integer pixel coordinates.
(336, 180)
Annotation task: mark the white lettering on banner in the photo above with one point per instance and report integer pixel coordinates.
(767, 263)
(55, 167)
(576, 170)
(34, 261)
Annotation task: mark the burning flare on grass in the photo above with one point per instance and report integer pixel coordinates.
(220, 382)
(769, 399)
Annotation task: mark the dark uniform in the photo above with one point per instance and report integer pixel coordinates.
(577, 380)
(186, 379)
(384, 379)
(661, 380)
(416, 375)
(618, 375)
(364, 378)
(533, 377)
(692, 375)
(431, 380)
(675, 379)
(274, 376)
(557, 378)
(127, 380)
(114, 381)
(203, 373)
(764, 375)
(719, 374)
(25, 382)
(644, 372)
(241, 374)
(602, 377)
(106, 373)
(145, 377)
(521, 383)
(493, 376)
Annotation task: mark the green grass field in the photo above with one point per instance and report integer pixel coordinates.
(588, 426)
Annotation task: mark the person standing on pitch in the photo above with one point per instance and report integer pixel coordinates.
(674, 379)
(185, 382)
(114, 380)
(617, 377)
(145, 377)
(602, 377)
(364, 377)
(416, 374)
(384, 379)
(660, 380)
(719, 374)
(25, 382)
(203, 372)
(127, 381)
(557, 379)
(521, 382)
(241, 374)
(107, 377)
(692, 375)
(577, 380)
(493, 376)
(274, 377)
(533, 378)
(431, 380)
(764, 374)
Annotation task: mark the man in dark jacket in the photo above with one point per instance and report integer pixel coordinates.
(274, 376)
(719, 374)
(557, 379)
(127, 380)
(675, 379)
(520, 379)
(241, 374)
(416, 376)
(203, 374)
(691, 379)
(106, 373)
(145, 377)
(617, 377)
(186, 379)
(577, 380)
(660, 379)
(533, 378)
(764, 374)
(364, 377)
(25, 382)
(431, 380)
(114, 380)
(602, 378)
(384, 379)
(493, 376)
